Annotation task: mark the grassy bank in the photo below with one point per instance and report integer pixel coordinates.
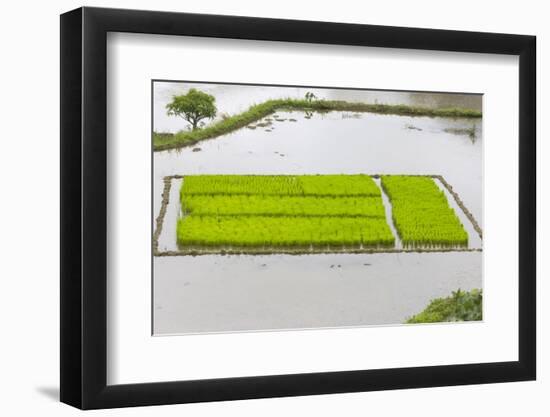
(164, 141)
(460, 306)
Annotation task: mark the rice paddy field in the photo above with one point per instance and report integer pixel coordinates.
(281, 185)
(421, 212)
(303, 212)
(283, 205)
(313, 213)
(242, 189)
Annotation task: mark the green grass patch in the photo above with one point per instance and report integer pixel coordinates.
(421, 213)
(287, 211)
(460, 306)
(163, 141)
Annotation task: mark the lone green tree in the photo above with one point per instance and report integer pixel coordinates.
(193, 107)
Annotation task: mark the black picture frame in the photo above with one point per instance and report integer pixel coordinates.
(84, 207)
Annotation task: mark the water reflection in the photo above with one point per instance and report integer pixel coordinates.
(473, 132)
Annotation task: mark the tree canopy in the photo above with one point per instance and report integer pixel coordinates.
(194, 106)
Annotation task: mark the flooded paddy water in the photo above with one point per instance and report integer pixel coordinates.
(217, 293)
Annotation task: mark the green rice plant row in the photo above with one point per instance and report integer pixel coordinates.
(282, 232)
(273, 205)
(421, 212)
(281, 185)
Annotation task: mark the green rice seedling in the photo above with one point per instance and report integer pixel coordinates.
(288, 232)
(306, 185)
(241, 185)
(282, 211)
(339, 185)
(421, 213)
(278, 205)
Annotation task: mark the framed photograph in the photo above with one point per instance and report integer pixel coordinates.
(257, 208)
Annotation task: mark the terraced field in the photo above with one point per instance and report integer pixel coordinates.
(421, 213)
(271, 212)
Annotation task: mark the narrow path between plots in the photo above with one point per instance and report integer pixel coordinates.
(167, 239)
(389, 216)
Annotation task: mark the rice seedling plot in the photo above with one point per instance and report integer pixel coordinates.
(288, 232)
(281, 185)
(240, 184)
(268, 212)
(273, 205)
(339, 185)
(421, 213)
